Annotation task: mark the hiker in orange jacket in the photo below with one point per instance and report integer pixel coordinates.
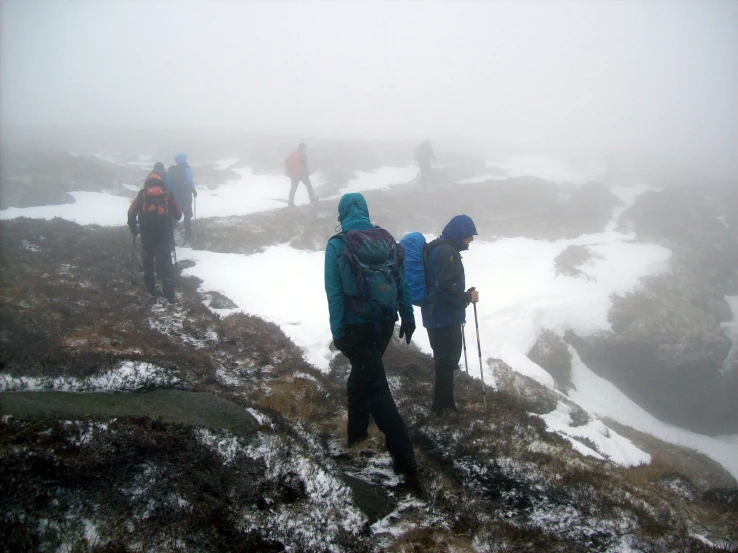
(296, 168)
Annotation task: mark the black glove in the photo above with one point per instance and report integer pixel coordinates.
(194, 192)
(468, 295)
(134, 229)
(339, 343)
(406, 329)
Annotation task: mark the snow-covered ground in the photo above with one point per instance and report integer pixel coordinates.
(520, 292)
(248, 194)
(89, 208)
(381, 179)
(541, 167)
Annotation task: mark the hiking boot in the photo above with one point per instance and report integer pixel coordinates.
(150, 284)
(351, 442)
(413, 482)
(168, 288)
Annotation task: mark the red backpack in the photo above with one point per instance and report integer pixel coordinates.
(293, 164)
(155, 198)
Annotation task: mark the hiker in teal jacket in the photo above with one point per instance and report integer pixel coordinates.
(353, 214)
(364, 340)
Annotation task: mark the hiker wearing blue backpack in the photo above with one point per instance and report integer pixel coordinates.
(366, 288)
(438, 285)
(182, 184)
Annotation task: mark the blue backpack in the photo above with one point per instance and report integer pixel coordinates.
(415, 245)
(370, 273)
(419, 278)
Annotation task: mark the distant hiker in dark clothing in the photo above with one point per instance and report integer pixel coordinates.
(152, 212)
(423, 155)
(446, 312)
(296, 168)
(161, 171)
(362, 324)
(182, 184)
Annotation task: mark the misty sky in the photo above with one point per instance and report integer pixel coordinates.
(656, 76)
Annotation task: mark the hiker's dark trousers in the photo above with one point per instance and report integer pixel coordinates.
(186, 207)
(446, 344)
(369, 393)
(293, 188)
(426, 174)
(157, 254)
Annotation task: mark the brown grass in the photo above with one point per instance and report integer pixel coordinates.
(424, 540)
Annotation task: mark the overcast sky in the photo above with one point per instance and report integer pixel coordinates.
(657, 76)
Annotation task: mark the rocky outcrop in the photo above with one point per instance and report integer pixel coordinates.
(667, 348)
(552, 353)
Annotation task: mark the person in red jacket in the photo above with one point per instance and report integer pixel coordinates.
(296, 168)
(153, 211)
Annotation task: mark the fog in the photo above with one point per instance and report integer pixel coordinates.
(653, 78)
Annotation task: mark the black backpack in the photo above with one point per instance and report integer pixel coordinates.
(177, 175)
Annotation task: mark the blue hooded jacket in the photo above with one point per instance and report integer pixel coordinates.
(189, 182)
(446, 272)
(353, 214)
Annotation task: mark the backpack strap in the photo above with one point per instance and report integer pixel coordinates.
(430, 284)
(358, 266)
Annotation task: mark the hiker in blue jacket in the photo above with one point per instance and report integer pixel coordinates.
(181, 182)
(363, 339)
(446, 312)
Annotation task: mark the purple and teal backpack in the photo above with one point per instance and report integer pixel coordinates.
(370, 273)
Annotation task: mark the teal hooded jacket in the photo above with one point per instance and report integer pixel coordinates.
(353, 214)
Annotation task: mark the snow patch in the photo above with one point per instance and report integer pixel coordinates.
(548, 169)
(130, 376)
(609, 444)
(380, 179)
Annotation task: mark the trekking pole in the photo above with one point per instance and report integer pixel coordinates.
(463, 341)
(479, 347)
